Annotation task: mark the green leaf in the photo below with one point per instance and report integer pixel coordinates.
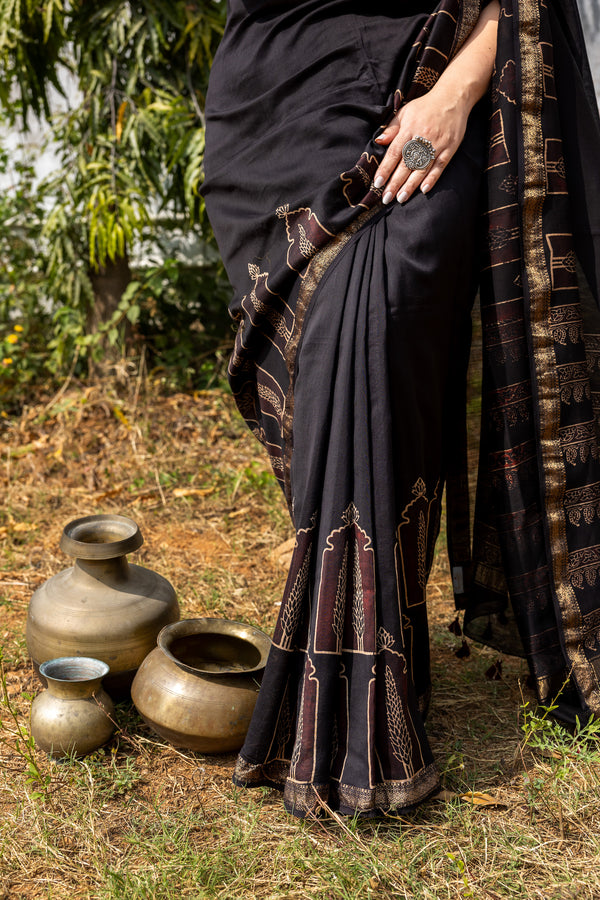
(133, 313)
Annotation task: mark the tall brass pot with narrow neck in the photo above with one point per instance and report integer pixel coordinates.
(103, 606)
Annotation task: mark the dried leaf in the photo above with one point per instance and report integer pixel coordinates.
(120, 117)
(120, 415)
(239, 512)
(285, 547)
(282, 555)
(17, 527)
(479, 798)
(110, 493)
(193, 492)
(475, 798)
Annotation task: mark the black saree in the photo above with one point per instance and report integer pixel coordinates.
(350, 361)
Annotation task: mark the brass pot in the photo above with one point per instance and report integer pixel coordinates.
(75, 714)
(198, 688)
(101, 607)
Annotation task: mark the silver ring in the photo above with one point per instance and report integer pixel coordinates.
(418, 153)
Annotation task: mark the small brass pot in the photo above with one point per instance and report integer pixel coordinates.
(198, 688)
(75, 714)
(103, 606)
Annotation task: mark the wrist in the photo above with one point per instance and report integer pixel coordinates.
(458, 96)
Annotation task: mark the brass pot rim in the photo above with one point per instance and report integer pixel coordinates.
(77, 540)
(206, 625)
(90, 669)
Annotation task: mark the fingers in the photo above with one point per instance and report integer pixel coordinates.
(389, 132)
(443, 127)
(432, 175)
(398, 181)
(390, 163)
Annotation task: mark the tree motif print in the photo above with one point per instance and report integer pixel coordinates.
(416, 539)
(284, 726)
(358, 181)
(337, 622)
(290, 613)
(385, 641)
(307, 249)
(267, 307)
(298, 742)
(305, 236)
(400, 739)
(422, 552)
(358, 608)
(346, 589)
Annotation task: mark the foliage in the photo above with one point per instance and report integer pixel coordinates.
(14, 733)
(135, 141)
(24, 316)
(183, 317)
(130, 144)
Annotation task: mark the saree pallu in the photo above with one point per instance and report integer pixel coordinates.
(350, 361)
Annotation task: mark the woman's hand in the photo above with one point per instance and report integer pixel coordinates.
(435, 117)
(440, 116)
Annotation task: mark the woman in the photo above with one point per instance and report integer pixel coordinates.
(349, 154)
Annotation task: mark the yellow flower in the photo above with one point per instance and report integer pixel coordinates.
(18, 328)
(7, 361)
(12, 338)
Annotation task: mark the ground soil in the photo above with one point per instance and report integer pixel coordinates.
(186, 469)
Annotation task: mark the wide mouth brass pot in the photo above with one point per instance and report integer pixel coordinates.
(215, 646)
(198, 687)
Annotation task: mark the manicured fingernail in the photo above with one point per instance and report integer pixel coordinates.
(380, 137)
(379, 182)
(403, 197)
(387, 197)
(425, 188)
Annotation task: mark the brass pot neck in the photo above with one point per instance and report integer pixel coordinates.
(73, 690)
(105, 570)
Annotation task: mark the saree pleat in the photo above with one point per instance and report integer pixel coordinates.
(350, 360)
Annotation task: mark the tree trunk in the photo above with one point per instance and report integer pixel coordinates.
(108, 283)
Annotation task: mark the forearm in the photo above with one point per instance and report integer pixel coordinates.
(440, 115)
(467, 76)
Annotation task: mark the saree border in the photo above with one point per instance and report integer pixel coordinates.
(543, 356)
(469, 12)
(304, 799)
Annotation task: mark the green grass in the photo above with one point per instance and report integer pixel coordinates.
(140, 819)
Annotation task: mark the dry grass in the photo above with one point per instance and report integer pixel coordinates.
(140, 819)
